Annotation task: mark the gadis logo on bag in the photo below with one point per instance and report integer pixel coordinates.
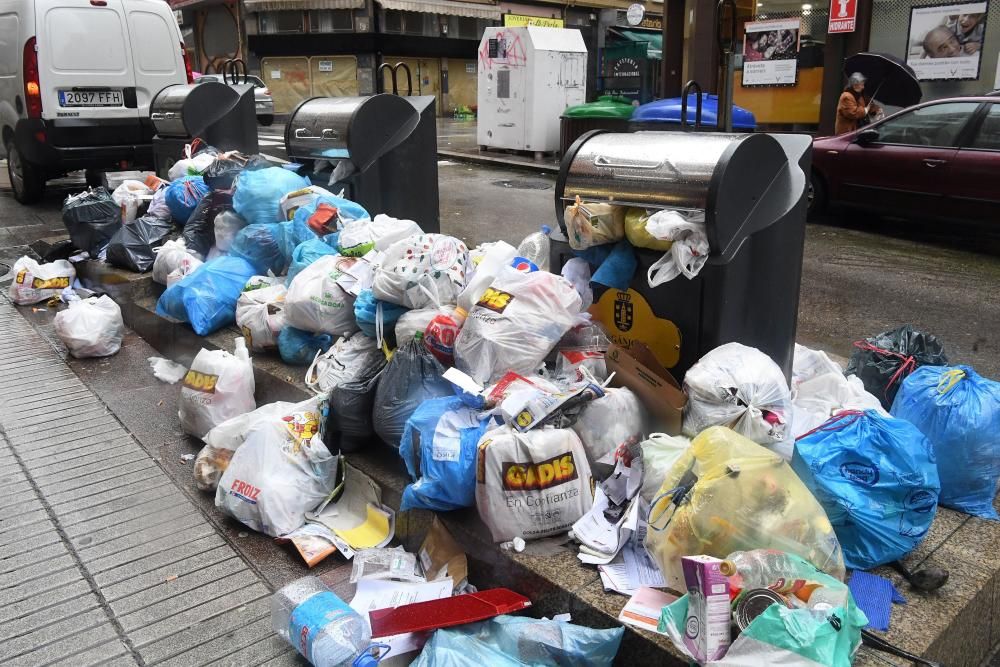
(862, 473)
(536, 476)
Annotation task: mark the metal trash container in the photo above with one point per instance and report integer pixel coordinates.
(752, 189)
(381, 150)
(223, 116)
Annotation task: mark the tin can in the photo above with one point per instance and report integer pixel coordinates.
(752, 602)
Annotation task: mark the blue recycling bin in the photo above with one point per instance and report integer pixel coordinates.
(656, 115)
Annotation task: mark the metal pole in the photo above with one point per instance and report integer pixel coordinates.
(726, 48)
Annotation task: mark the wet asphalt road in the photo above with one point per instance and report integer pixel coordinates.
(861, 274)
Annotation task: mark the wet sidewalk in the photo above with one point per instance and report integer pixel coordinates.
(457, 140)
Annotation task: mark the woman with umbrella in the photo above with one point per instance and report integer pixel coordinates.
(852, 106)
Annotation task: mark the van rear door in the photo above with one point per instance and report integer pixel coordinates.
(156, 50)
(85, 60)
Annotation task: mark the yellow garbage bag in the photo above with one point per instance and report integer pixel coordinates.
(635, 231)
(739, 496)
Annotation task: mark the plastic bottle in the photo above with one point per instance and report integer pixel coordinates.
(241, 352)
(535, 247)
(759, 568)
(321, 626)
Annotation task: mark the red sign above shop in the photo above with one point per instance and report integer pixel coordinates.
(843, 15)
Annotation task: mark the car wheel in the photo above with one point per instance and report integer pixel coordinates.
(817, 195)
(27, 180)
(266, 121)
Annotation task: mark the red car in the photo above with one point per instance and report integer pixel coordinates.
(939, 160)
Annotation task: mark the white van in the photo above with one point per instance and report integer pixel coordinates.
(76, 81)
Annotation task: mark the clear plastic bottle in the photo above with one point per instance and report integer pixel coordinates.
(759, 568)
(535, 247)
(321, 626)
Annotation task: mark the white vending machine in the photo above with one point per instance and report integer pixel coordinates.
(527, 78)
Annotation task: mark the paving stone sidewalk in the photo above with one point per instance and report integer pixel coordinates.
(103, 560)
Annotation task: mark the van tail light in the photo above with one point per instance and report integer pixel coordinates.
(32, 88)
(187, 64)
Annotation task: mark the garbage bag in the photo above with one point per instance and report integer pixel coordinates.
(91, 218)
(959, 412)
(192, 166)
(223, 440)
(293, 201)
(350, 426)
(218, 386)
(510, 641)
(168, 257)
(226, 226)
(659, 454)
(158, 205)
(412, 322)
(261, 246)
(635, 231)
(786, 636)
(610, 424)
(322, 211)
(374, 316)
(305, 254)
(877, 479)
(439, 447)
(187, 265)
(299, 348)
(486, 262)
(411, 377)
(345, 361)
(129, 197)
(222, 173)
(739, 387)
(182, 197)
(884, 361)
(589, 224)
(282, 470)
(259, 192)
(533, 484)
(133, 247)
(90, 327)
(260, 315)
(320, 298)
(199, 232)
(515, 324)
(361, 236)
(442, 332)
(207, 298)
(703, 508)
(421, 271)
(34, 282)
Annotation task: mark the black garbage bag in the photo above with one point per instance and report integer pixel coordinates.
(133, 247)
(350, 427)
(883, 361)
(222, 173)
(91, 218)
(411, 377)
(199, 232)
(257, 162)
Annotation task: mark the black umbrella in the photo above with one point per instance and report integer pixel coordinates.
(889, 79)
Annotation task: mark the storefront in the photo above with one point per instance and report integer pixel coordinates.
(632, 55)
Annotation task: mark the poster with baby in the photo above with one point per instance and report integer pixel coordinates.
(946, 41)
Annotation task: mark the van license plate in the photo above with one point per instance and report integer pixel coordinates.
(91, 98)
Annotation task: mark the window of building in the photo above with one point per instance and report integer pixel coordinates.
(331, 20)
(273, 23)
(411, 23)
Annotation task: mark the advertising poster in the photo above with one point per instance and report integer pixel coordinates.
(770, 52)
(946, 41)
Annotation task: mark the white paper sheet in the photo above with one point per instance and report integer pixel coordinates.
(382, 594)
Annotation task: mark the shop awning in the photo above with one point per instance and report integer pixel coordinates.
(448, 7)
(294, 5)
(654, 41)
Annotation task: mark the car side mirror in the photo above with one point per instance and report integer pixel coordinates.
(867, 136)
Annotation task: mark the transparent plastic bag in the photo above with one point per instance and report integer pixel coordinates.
(609, 424)
(659, 454)
(590, 224)
(34, 282)
(169, 257)
(223, 440)
(739, 387)
(422, 271)
(226, 225)
(635, 231)
(90, 327)
(689, 248)
(217, 387)
(704, 508)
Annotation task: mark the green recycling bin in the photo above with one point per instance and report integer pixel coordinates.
(609, 112)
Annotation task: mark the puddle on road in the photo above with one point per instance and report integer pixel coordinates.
(522, 184)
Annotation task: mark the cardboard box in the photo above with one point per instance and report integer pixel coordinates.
(638, 370)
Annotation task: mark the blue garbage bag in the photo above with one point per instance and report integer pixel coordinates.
(959, 412)
(877, 479)
(439, 448)
(261, 246)
(258, 193)
(366, 311)
(510, 641)
(305, 254)
(206, 298)
(297, 230)
(183, 195)
(299, 348)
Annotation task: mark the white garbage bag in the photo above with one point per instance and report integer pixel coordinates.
(90, 327)
(609, 424)
(359, 237)
(169, 258)
(344, 362)
(659, 453)
(223, 440)
(227, 225)
(485, 264)
(421, 271)
(515, 324)
(260, 315)
(191, 166)
(217, 387)
(739, 387)
(281, 471)
(34, 282)
(690, 248)
(413, 322)
(188, 265)
(129, 196)
(321, 297)
(533, 484)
